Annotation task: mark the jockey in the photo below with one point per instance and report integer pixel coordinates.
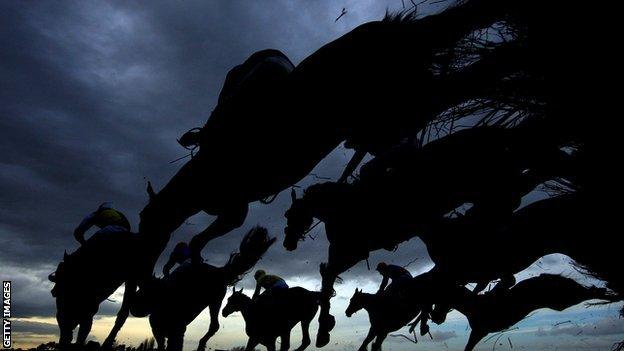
(181, 255)
(270, 283)
(397, 274)
(106, 218)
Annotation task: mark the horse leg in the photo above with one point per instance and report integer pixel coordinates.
(378, 341)
(473, 340)
(424, 319)
(160, 339)
(252, 343)
(506, 282)
(337, 263)
(226, 221)
(66, 332)
(158, 331)
(122, 315)
(369, 337)
(305, 339)
(214, 325)
(271, 345)
(175, 340)
(285, 339)
(481, 285)
(84, 330)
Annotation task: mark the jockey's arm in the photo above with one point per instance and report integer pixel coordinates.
(256, 292)
(82, 228)
(384, 283)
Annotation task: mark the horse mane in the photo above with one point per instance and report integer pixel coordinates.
(400, 17)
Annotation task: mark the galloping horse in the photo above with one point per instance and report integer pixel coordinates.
(87, 277)
(192, 288)
(387, 313)
(274, 122)
(270, 317)
(405, 194)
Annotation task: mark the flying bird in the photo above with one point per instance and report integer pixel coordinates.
(344, 12)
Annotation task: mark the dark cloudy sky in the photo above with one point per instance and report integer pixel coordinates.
(92, 98)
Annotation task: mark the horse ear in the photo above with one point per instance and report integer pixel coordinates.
(241, 290)
(65, 255)
(150, 191)
(233, 289)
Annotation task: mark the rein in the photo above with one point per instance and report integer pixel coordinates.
(310, 229)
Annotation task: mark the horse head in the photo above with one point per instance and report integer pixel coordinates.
(317, 201)
(236, 302)
(299, 219)
(356, 303)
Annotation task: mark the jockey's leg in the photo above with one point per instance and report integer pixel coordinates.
(226, 221)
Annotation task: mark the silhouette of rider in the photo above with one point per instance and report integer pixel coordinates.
(108, 219)
(272, 284)
(181, 255)
(399, 276)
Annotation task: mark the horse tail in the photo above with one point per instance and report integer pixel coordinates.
(253, 246)
(451, 24)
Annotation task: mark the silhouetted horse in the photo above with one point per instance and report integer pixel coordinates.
(87, 277)
(360, 88)
(407, 193)
(284, 120)
(387, 313)
(175, 301)
(269, 317)
(497, 311)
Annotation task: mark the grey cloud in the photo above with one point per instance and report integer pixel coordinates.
(38, 328)
(603, 327)
(440, 335)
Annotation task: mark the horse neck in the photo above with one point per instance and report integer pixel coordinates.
(465, 302)
(324, 203)
(165, 212)
(244, 308)
(370, 302)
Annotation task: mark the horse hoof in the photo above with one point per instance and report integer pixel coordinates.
(322, 338)
(326, 325)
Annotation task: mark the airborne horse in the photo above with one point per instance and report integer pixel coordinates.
(407, 193)
(496, 311)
